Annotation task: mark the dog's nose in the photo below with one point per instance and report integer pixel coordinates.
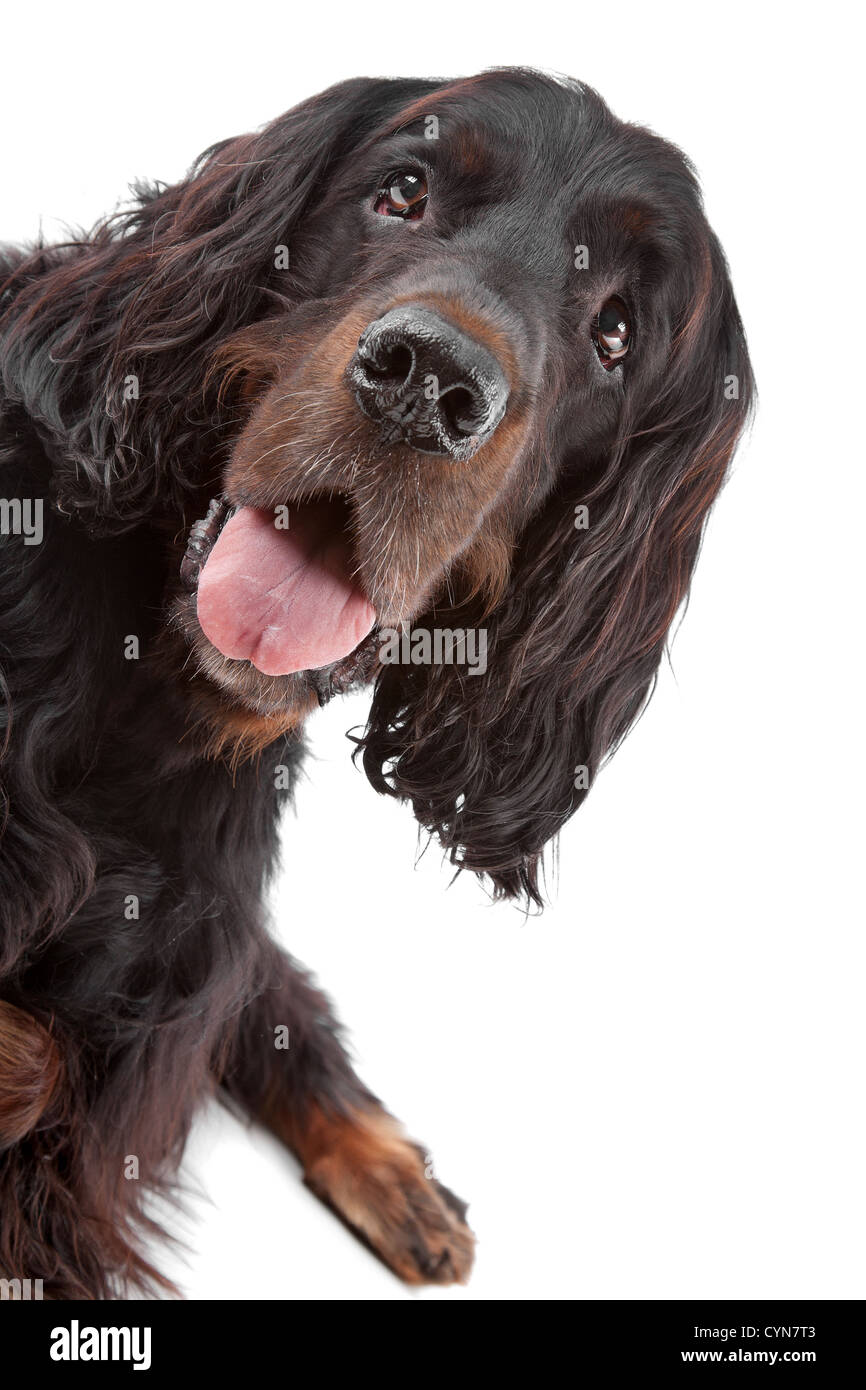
(428, 383)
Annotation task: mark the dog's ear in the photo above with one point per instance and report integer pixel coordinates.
(494, 764)
(107, 342)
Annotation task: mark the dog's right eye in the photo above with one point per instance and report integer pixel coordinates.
(612, 332)
(402, 195)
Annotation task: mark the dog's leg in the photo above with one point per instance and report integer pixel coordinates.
(288, 1069)
(69, 1224)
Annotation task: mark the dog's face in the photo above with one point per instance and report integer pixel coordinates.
(482, 276)
(474, 364)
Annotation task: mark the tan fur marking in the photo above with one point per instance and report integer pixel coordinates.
(30, 1073)
(364, 1166)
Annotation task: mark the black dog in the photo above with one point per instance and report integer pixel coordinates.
(417, 367)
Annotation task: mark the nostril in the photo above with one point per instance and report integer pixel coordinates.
(389, 363)
(460, 409)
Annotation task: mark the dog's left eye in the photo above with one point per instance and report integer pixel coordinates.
(402, 195)
(612, 332)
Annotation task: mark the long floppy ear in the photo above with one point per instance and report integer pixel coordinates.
(106, 341)
(495, 764)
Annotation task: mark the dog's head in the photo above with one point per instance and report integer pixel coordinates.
(450, 359)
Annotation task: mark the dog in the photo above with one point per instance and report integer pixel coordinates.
(420, 357)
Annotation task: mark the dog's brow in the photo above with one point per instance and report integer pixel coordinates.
(468, 152)
(431, 104)
(402, 145)
(468, 149)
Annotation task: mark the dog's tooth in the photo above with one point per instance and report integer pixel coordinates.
(202, 535)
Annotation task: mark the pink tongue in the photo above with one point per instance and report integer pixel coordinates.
(283, 600)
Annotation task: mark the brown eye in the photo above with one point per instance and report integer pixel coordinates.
(612, 332)
(403, 195)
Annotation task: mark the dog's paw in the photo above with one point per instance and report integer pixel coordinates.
(376, 1180)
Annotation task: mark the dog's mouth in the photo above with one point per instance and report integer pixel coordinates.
(278, 590)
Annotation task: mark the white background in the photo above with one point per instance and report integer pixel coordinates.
(655, 1090)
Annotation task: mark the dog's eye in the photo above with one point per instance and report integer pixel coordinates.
(402, 195)
(612, 332)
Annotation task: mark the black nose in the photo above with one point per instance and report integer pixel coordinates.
(428, 383)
